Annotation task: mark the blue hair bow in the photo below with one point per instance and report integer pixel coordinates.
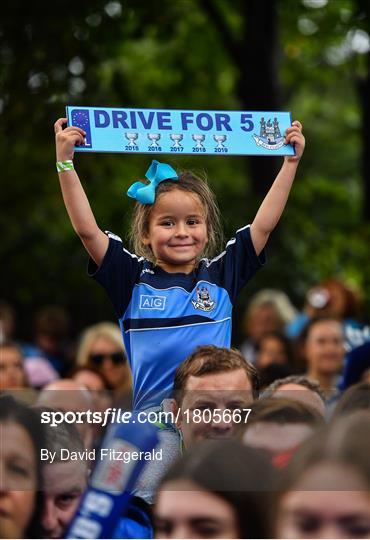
(157, 173)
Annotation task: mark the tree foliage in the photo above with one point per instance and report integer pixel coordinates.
(307, 56)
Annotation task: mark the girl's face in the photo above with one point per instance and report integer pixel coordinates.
(177, 231)
(324, 347)
(12, 373)
(328, 501)
(106, 356)
(184, 511)
(18, 482)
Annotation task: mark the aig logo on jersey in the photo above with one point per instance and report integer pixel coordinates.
(152, 302)
(203, 300)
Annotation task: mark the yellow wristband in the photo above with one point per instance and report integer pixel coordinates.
(65, 165)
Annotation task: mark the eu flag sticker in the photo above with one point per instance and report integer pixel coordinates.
(81, 118)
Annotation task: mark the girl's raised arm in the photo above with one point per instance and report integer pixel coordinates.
(273, 205)
(75, 199)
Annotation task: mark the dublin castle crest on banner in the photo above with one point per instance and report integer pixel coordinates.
(270, 136)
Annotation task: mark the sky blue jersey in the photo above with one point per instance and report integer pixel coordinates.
(165, 316)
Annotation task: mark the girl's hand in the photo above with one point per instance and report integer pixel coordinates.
(294, 136)
(66, 139)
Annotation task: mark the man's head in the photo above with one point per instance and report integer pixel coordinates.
(211, 389)
(67, 395)
(355, 399)
(299, 388)
(64, 481)
(279, 425)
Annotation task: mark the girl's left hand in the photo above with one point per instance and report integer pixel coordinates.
(294, 136)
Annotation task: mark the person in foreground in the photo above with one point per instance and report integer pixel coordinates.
(325, 489)
(218, 489)
(170, 295)
(22, 438)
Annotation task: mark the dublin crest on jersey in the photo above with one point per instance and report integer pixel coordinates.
(203, 300)
(270, 136)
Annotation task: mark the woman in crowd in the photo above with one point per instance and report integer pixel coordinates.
(330, 298)
(20, 465)
(12, 370)
(268, 311)
(274, 358)
(325, 490)
(14, 377)
(322, 343)
(216, 490)
(273, 348)
(101, 347)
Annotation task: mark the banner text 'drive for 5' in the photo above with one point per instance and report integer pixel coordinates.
(159, 131)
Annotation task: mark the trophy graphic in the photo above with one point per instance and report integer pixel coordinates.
(199, 138)
(219, 140)
(132, 137)
(154, 137)
(176, 138)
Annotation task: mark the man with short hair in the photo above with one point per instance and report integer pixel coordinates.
(213, 388)
(212, 384)
(300, 388)
(64, 480)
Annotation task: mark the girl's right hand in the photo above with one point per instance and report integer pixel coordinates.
(66, 139)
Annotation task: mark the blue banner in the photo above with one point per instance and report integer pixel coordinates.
(110, 487)
(159, 131)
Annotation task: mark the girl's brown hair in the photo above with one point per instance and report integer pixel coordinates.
(189, 182)
(211, 359)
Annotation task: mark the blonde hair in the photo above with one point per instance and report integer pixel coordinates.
(190, 183)
(106, 330)
(278, 300)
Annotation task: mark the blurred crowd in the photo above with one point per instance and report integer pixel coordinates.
(298, 466)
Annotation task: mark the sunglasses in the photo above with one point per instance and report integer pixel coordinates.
(116, 357)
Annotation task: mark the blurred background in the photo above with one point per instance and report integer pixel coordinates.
(310, 57)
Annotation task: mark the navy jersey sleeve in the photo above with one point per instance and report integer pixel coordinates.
(235, 266)
(118, 273)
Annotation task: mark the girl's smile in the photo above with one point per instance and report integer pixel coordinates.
(177, 231)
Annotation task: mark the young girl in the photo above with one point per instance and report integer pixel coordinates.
(168, 298)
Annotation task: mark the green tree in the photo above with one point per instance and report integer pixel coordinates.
(188, 54)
